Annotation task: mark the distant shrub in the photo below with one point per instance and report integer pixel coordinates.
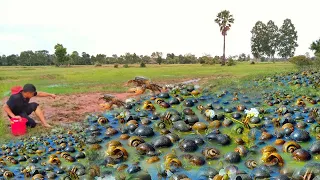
(300, 60)
(252, 62)
(126, 66)
(143, 65)
(230, 62)
(116, 66)
(97, 64)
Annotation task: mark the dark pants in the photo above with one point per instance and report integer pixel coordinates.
(27, 111)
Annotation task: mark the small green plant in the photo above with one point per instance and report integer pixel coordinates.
(126, 66)
(116, 66)
(143, 65)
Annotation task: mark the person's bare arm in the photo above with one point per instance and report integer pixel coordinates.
(44, 94)
(7, 109)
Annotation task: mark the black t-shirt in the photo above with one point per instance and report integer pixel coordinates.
(17, 103)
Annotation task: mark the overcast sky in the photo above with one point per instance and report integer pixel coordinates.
(144, 26)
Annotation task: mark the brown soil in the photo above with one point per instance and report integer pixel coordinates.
(70, 108)
(73, 108)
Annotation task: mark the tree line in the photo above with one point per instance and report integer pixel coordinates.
(61, 57)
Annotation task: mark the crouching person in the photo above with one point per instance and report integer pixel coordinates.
(18, 105)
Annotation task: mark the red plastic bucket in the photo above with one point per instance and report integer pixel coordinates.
(18, 127)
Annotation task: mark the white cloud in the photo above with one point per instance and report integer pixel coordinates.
(144, 26)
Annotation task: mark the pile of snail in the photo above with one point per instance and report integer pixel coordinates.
(185, 133)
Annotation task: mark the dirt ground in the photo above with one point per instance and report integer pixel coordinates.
(73, 108)
(70, 108)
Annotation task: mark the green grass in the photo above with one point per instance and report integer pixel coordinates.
(80, 79)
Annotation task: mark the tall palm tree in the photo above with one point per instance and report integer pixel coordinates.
(224, 20)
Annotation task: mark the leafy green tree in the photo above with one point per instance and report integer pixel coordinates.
(42, 57)
(287, 39)
(75, 58)
(224, 20)
(315, 46)
(27, 58)
(13, 60)
(101, 58)
(3, 60)
(145, 59)
(273, 38)
(259, 40)
(86, 59)
(157, 56)
(61, 54)
(242, 57)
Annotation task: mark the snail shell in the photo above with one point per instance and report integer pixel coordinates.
(211, 153)
(272, 159)
(111, 131)
(8, 174)
(268, 149)
(197, 160)
(113, 143)
(290, 146)
(199, 126)
(153, 159)
(37, 177)
(266, 136)
(134, 141)
(301, 155)
(242, 150)
(279, 142)
(251, 164)
(117, 152)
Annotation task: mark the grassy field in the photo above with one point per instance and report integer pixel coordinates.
(82, 79)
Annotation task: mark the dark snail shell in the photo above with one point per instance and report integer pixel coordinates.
(145, 148)
(144, 131)
(173, 137)
(162, 141)
(188, 145)
(300, 135)
(188, 111)
(80, 155)
(301, 155)
(181, 126)
(134, 169)
(315, 147)
(191, 119)
(232, 157)
(197, 160)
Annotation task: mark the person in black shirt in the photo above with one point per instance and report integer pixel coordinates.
(18, 105)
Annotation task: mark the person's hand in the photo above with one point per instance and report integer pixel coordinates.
(53, 96)
(46, 125)
(17, 117)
